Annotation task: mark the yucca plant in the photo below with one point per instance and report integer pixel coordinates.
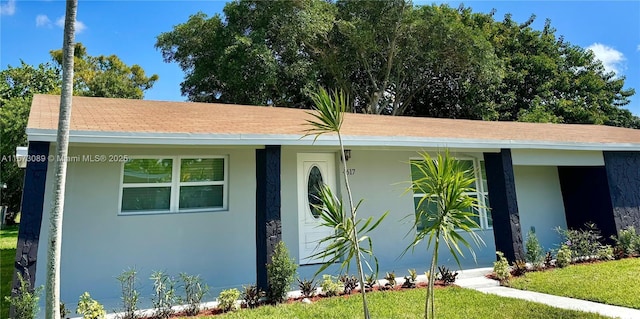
(444, 183)
(349, 231)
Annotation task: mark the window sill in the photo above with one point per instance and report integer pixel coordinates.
(181, 212)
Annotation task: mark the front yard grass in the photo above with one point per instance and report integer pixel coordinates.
(611, 282)
(451, 302)
(8, 242)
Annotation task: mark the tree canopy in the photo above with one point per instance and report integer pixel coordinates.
(394, 58)
(103, 76)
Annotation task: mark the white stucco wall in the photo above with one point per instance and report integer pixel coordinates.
(380, 178)
(540, 203)
(98, 244)
(556, 157)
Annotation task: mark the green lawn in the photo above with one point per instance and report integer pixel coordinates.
(612, 282)
(451, 303)
(8, 241)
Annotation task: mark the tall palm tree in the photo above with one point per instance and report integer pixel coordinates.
(52, 286)
(346, 242)
(444, 183)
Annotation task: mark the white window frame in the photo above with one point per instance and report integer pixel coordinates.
(481, 193)
(175, 184)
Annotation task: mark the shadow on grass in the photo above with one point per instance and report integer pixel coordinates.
(8, 241)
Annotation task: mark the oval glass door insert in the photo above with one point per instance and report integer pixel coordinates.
(314, 183)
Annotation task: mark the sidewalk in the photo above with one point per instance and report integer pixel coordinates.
(475, 279)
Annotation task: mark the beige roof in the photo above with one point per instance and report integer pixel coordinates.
(124, 117)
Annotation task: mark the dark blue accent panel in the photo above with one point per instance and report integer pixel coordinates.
(268, 223)
(504, 204)
(585, 193)
(31, 213)
(623, 174)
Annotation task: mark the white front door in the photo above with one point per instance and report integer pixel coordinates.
(314, 169)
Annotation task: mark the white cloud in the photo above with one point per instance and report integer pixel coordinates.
(638, 47)
(612, 59)
(43, 21)
(79, 25)
(8, 8)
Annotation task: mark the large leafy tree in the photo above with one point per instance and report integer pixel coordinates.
(256, 54)
(394, 58)
(106, 76)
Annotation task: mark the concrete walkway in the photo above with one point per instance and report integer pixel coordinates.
(475, 279)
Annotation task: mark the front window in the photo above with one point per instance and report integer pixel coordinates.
(481, 193)
(174, 184)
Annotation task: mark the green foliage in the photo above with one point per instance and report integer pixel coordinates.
(227, 299)
(106, 76)
(350, 238)
(605, 252)
(64, 312)
(394, 58)
(370, 281)
(281, 272)
(25, 302)
(349, 283)
(584, 243)
(410, 281)
(519, 268)
(627, 241)
(331, 286)
(194, 291)
(564, 256)
(251, 296)
(307, 287)
(445, 183)
(501, 268)
(90, 308)
(164, 294)
(534, 251)
(390, 277)
(130, 296)
(447, 276)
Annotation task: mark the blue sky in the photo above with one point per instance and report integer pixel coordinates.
(128, 29)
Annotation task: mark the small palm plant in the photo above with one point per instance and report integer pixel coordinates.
(445, 183)
(349, 239)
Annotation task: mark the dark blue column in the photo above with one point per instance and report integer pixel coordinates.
(585, 193)
(504, 204)
(31, 213)
(268, 224)
(623, 174)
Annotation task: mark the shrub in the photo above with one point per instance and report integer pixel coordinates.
(130, 295)
(501, 268)
(447, 276)
(627, 241)
(605, 252)
(227, 299)
(390, 277)
(194, 291)
(583, 243)
(307, 287)
(535, 253)
(164, 294)
(281, 272)
(410, 281)
(348, 283)
(563, 258)
(519, 268)
(89, 308)
(330, 286)
(25, 302)
(251, 296)
(370, 281)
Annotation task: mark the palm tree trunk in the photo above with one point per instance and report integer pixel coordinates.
(429, 307)
(52, 310)
(354, 235)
